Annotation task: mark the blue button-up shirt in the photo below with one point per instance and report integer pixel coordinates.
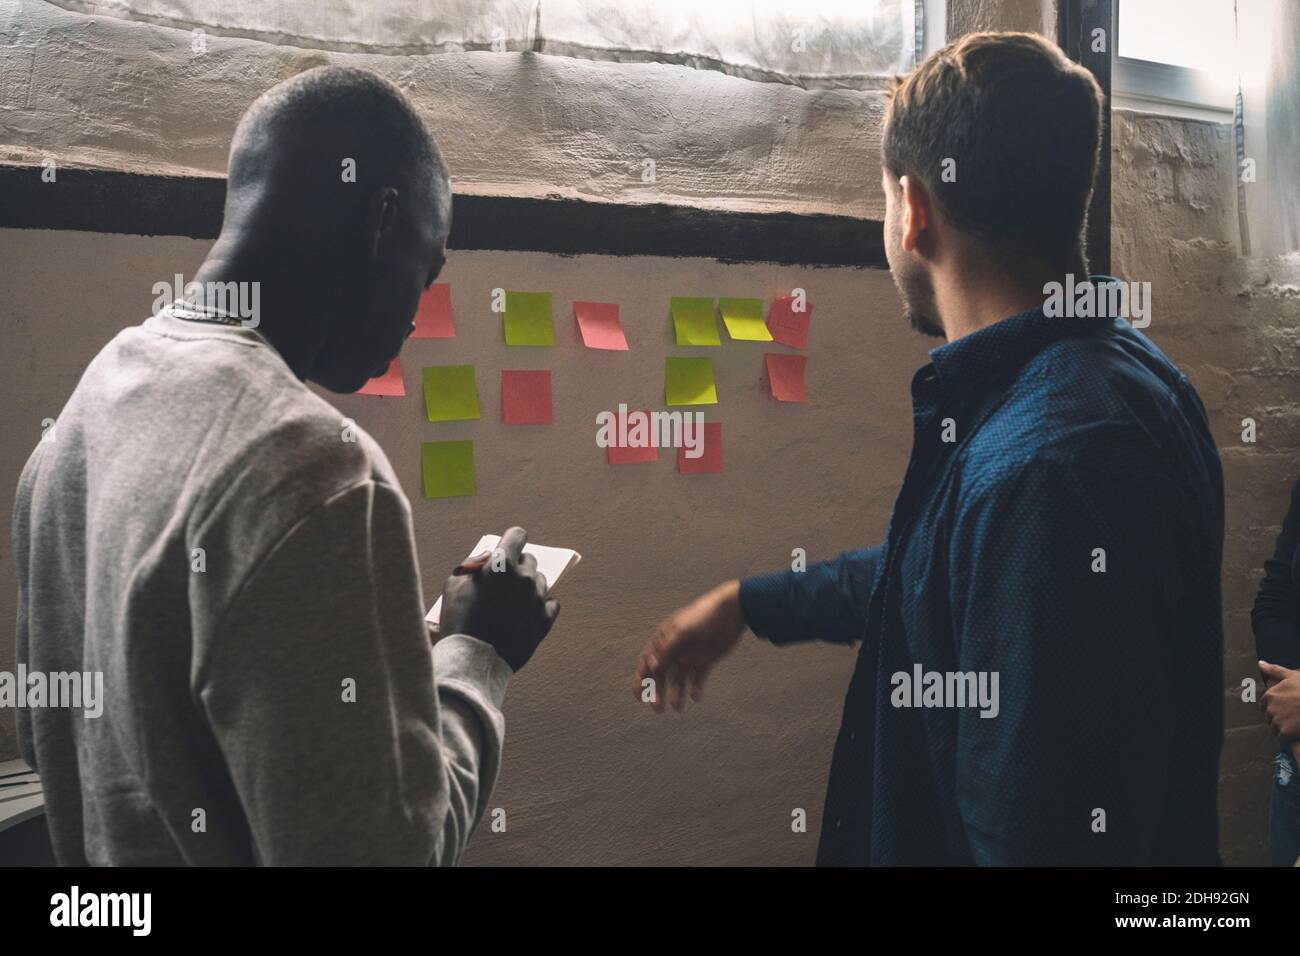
(1056, 546)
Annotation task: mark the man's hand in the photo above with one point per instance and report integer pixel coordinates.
(1281, 702)
(687, 645)
(502, 603)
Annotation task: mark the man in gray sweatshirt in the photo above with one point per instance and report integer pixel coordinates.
(238, 560)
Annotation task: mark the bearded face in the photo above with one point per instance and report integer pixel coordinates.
(910, 272)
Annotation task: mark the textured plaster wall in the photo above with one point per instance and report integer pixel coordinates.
(1030, 16)
(591, 776)
(106, 92)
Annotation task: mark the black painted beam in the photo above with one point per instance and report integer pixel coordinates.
(151, 205)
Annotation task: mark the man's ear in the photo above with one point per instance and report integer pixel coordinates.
(915, 212)
(381, 215)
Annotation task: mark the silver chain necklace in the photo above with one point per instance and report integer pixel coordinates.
(190, 313)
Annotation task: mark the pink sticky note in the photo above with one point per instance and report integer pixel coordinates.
(708, 463)
(433, 318)
(785, 376)
(788, 326)
(618, 455)
(631, 454)
(598, 322)
(390, 383)
(526, 397)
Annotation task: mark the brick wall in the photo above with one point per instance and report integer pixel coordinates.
(1233, 326)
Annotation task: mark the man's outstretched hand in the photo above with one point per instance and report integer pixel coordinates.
(502, 602)
(687, 645)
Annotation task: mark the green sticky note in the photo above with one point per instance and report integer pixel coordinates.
(528, 319)
(693, 321)
(689, 381)
(744, 319)
(450, 394)
(448, 468)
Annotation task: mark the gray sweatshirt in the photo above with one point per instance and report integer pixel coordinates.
(198, 529)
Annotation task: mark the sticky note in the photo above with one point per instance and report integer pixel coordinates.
(617, 455)
(450, 394)
(526, 397)
(693, 321)
(632, 454)
(689, 381)
(528, 319)
(599, 325)
(785, 376)
(710, 462)
(744, 320)
(390, 383)
(788, 326)
(448, 468)
(433, 318)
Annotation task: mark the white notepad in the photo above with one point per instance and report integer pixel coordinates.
(10, 767)
(551, 563)
(21, 796)
(20, 790)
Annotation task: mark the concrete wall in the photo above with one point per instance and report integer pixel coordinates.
(100, 91)
(1029, 16)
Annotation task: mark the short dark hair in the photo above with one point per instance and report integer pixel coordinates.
(348, 113)
(1022, 124)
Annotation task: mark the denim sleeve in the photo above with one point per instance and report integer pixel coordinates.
(1274, 618)
(826, 602)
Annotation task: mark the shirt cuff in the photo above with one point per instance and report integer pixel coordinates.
(766, 607)
(464, 660)
(1277, 645)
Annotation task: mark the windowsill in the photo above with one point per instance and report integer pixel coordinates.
(1140, 103)
(1170, 90)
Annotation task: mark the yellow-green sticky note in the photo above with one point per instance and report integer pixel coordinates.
(528, 319)
(744, 319)
(689, 381)
(448, 468)
(450, 394)
(693, 321)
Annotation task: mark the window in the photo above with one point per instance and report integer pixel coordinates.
(1176, 56)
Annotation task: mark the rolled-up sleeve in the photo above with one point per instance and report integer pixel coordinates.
(1274, 618)
(826, 602)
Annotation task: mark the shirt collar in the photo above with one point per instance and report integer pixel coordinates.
(1004, 345)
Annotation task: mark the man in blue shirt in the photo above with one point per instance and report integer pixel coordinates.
(1039, 676)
